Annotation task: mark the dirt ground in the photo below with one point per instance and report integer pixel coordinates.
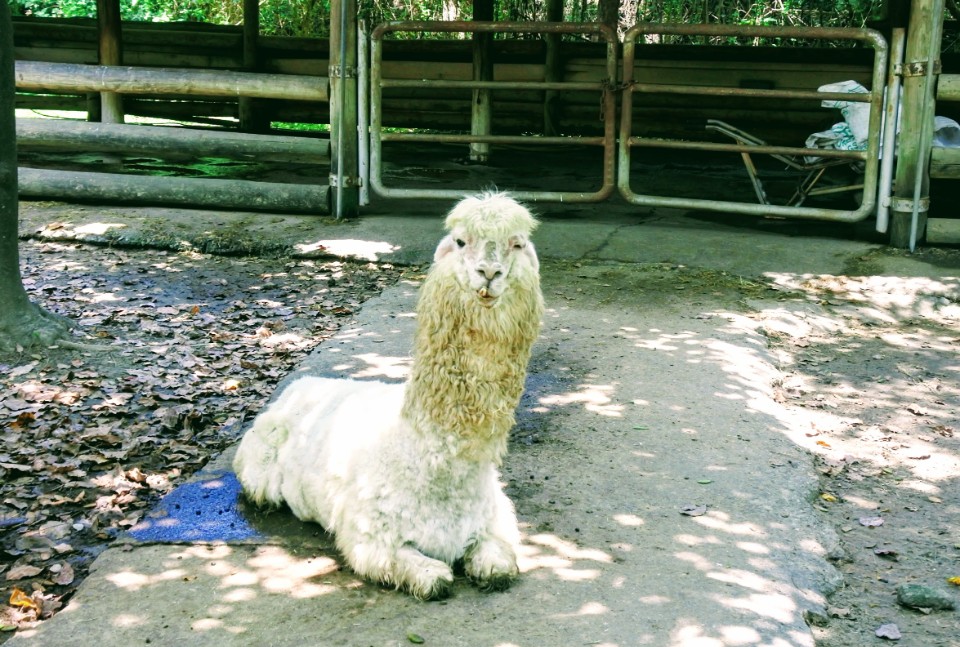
(183, 348)
(879, 357)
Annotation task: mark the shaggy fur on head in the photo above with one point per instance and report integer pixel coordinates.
(405, 476)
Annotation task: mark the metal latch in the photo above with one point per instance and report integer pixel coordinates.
(349, 182)
(905, 205)
(916, 68)
(349, 72)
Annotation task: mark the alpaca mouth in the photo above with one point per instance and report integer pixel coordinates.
(486, 299)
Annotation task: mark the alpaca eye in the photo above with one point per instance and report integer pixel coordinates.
(460, 243)
(518, 245)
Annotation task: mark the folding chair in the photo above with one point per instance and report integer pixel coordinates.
(813, 170)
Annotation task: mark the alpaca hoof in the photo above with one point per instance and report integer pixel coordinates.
(439, 590)
(431, 586)
(495, 583)
(492, 565)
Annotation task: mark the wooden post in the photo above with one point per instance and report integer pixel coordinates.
(553, 71)
(924, 29)
(481, 113)
(251, 120)
(344, 137)
(609, 14)
(110, 53)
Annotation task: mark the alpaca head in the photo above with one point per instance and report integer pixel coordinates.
(488, 245)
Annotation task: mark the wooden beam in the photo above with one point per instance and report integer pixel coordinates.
(76, 186)
(65, 77)
(110, 52)
(552, 71)
(945, 163)
(948, 87)
(251, 120)
(344, 136)
(62, 135)
(923, 36)
(481, 115)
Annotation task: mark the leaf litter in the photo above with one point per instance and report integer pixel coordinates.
(877, 365)
(171, 354)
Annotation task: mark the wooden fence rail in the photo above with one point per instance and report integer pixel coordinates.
(64, 135)
(105, 188)
(67, 77)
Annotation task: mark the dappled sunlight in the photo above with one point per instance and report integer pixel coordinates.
(546, 553)
(891, 298)
(228, 578)
(366, 250)
(588, 609)
(372, 365)
(907, 323)
(595, 398)
(630, 520)
(716, 520)
(130, 581)
(775, 606)
(129, 620)
(98, 228)
(696, 540)
(278, 571)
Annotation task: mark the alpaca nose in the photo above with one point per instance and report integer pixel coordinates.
(490, 272)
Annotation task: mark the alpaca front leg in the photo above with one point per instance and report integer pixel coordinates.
(406, 568)
(491, 563)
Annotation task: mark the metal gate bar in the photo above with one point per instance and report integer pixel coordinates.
(605, 87)
(874, 97)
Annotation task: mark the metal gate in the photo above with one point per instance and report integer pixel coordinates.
(870, 156)
(617, 143)
(605, 89)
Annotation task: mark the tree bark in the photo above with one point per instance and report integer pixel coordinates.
(22, 324)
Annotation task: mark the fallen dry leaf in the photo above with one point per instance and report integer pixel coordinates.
(20, 599)
(62, 573)
(871, 522)
(83, 449)
(23, 571)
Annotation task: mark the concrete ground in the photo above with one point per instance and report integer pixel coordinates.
(664, 494)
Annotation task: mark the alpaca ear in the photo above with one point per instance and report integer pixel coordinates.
(446, 246)
(531, 252)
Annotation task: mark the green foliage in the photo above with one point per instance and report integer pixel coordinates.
(311, 17)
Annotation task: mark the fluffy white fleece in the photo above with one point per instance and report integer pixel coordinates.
(406, 476)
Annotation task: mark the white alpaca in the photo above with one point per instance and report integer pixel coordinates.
(405, 475)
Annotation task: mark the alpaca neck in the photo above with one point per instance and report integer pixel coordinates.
(469, 367)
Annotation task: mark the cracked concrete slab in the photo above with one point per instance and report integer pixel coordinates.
(662, 497)
(637, 408)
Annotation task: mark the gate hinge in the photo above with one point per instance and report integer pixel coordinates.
(905, 205)
(349, 72)
(916, 68)
(349, 182)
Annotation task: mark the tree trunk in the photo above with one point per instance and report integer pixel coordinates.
(22, 324)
